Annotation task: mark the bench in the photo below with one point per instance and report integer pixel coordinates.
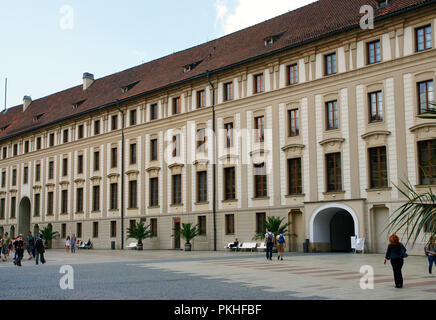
(233, 248)
(248, 246)
(132, 245)
(261, 246)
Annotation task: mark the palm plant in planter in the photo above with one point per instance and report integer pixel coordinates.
(139, 232)
(48, 235)
(188, 232)
(276, 226)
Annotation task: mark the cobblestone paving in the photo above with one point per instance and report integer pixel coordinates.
(170, 275)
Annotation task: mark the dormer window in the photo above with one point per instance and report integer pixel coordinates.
(129, 87)
(383, 3)
(4, 128)
(269, 41)
(190, 67)
(78, 104)
(37, 117)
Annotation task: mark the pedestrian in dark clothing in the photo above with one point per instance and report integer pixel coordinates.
(430, 250)
(396, 253)
(39, 246)
(19, 249)
(269, 242)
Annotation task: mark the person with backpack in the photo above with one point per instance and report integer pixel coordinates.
(269, 243)
(19, 250)
(30, 245)
(430, 250)
(39, 246)
(281, 245)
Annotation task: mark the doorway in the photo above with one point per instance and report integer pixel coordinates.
(176, 233)
(24, 216)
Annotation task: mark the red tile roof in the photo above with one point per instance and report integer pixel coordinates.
(319, 19)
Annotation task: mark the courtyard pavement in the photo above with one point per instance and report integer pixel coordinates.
(204, 275)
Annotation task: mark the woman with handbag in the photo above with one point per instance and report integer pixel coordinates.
(430, 250)
(396, 252)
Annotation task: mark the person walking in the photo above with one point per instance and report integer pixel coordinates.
(281, 245)
(67, 244)
(19, 250)
(269, 243)
(430, 250)
(5, 246)
(396, 253)
(30, 245)
(39, 247)
(73, 243)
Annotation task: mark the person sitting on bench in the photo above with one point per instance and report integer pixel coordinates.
(234, 244)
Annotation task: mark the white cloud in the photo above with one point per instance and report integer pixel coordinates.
(249, 12)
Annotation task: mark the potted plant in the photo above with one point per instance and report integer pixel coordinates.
(48, 235)
(139, 232)
(187, 232)
(274, 224)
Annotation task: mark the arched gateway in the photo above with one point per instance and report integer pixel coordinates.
(24, 216)
(331, 227)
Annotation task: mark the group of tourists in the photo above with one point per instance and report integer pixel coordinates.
(279, 241)
(71, 243)
(34, 245)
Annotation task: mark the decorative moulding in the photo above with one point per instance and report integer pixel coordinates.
(200, 162)
(2, 193)
(95, 179)
(152, 169)
(176, 165)
(132, 174)
(375, 133)
(293, 147)
(427, 126)
(332, 141)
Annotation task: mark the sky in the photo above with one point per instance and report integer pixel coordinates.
(47, 45)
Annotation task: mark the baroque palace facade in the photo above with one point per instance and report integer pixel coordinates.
(316, 122)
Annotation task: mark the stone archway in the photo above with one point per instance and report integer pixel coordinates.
(332, 226)
(12, 232)
(35, 229)
(24, 216)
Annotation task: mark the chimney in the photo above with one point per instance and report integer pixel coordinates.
(88, 79)
(27, 100)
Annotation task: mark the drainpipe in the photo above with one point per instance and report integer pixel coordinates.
(122, 175)
(214, 160)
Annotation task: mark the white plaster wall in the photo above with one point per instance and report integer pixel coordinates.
(392, 141)
(301, 71)
(283, 169)
(386, 45)
(408, 41)
(346, 174)
(341, 60)
(318, 66)
(409, 115)
(320, 152)
(267, 81)
(304, 127)
(361, 128)
(360, 55)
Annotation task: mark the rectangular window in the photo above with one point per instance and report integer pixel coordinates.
(114, 157)
(229, 134)
(38, 172)
(65, 136)
(201, 140)
(50, 203)
(153, 150)
(36, 205)
(114, 196)
(258, 83)
(230, 223)
(3, 179)
(64, 202)
(425, 96)
(202, 186)
(96, 198)
(228, 91)
(176, 145)
(294, 123)
(202, 225)
(25, 175)
(378, 167)
(38, 143)
(375, 106)
(260, 183)
(259, 126)
(292, 74)
(330, 64)
(2, 209)
(79, 230)
(63, 230)
(176, 105)
(132, 224)
(15, 150)
(26, 147)
(65, 167)
(5, 152)
(334, 178)
(96, 160)
(332, 115)
(50, 170)
(229, 183)
(14, 207)
(132, 117)
(80, 132)
(51, 139)
(14, 177)
(423, 38)
(96, 127)
(427, 162)
(294, 176)
(114, 122)
(113, 229)
(132, 194)
(133, 153)
(153, 223)
(80, 164)
(153, 111)
(201, 99)
(95, 229)
(260, 222)
(374, 52)
(177, 189)
(79, 200)
(154, 192)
